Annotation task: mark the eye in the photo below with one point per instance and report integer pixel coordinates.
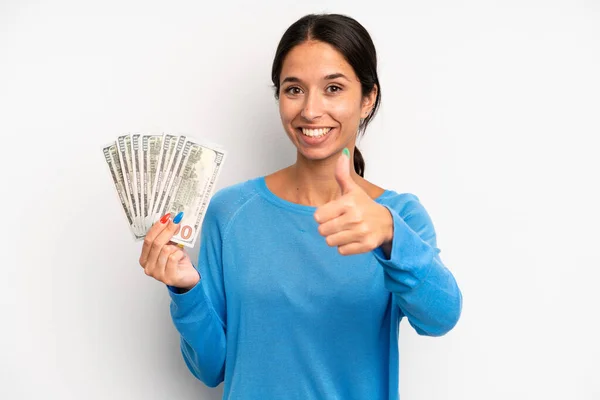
(334, 88)
(293, 90)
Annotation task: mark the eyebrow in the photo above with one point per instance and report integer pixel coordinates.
(335, 76)
(327, 77)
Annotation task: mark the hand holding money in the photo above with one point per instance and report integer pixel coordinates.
(165, 261)
(159, 174)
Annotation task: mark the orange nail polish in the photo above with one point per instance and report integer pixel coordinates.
(165, 218)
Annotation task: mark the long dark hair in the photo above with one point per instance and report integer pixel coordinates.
(352, 40)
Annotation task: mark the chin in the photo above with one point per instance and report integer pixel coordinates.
(318, 154)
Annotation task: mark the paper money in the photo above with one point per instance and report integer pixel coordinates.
(193, 188)
(168, 175)
(157, 174)
(111, 156)
(137, 178)
(152, 150)
(124, 145)
(168, 148)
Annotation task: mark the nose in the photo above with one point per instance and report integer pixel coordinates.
(313, 106)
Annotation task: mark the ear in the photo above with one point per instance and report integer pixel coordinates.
(368, 102)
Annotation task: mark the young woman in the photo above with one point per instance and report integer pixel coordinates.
(304, 274)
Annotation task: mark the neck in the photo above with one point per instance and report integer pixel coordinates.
(313, 182)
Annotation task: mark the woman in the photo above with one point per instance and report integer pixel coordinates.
(304, 274)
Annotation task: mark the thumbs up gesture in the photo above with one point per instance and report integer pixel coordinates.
(354, 222)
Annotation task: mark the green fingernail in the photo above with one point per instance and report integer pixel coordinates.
(347, 152)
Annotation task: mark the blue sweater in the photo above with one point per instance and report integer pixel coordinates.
(278, 314)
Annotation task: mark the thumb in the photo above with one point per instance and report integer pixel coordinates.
(342, 173)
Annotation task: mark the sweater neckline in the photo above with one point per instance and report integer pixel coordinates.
(266, 193)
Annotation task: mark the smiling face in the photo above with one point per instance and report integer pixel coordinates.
(320, 100)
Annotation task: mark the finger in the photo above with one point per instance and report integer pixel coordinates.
(331, 210)
(162, 239)
(172, 264)
(157, 269)
(341, 238)
(342, 173)
(353, 248)
(153, 232)
(334, 225)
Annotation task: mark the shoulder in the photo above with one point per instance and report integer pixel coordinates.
(235, 195)
(410, 208)
(403, 203)
(226, 202)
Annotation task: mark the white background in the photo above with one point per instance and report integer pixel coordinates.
(490, 115)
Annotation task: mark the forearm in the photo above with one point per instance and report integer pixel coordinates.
(433, 306)
(202, 334)
(423, 288)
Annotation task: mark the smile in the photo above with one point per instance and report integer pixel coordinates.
(315, 132)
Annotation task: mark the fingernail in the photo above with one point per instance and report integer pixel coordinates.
(346, 152)
(178, 218)
(165, 218)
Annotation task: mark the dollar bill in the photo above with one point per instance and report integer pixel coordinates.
(111, 156)
(168, 176)
(124, 145)
(168, 147)
(151, 152)
(193, 188)
(137, 178)
(156, 174)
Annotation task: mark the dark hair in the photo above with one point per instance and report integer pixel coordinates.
(352, 40)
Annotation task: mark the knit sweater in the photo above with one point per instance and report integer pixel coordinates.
(278, 314)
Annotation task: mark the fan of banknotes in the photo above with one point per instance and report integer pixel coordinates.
(159, 174)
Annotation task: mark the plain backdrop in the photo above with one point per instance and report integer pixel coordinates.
(490, 115)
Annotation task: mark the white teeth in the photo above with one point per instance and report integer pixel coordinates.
(315, 132)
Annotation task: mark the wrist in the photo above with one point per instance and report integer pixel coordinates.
(388, 227)
(387, 232)
(186, 288)
(183, 289)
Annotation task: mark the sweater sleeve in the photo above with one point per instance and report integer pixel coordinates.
(199, 314)
(421, 285)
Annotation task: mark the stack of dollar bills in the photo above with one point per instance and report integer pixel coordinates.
(159, 174)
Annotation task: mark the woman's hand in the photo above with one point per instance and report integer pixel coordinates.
(354, 223)
(164, 260)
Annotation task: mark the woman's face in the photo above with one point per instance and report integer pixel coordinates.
(320, 100)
